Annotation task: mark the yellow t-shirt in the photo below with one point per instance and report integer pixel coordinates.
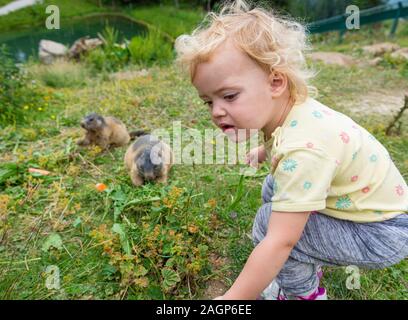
(321, 160)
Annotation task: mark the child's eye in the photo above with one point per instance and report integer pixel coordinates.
(208, 103)
(230, 97)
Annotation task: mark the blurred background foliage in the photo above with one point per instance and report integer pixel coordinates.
(310, 9)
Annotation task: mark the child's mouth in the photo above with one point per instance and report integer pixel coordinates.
(226, 127)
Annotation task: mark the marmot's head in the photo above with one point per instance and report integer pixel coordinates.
(149, 164)
(93, 122)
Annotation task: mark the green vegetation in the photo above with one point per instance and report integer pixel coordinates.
(150, 48)
(4, 2)
(17, 94)
(154, 240)
(144, 50)
(111, 56)
(60, 75)
(172, 21)
(151, 242)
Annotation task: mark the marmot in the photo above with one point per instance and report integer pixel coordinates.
(148, 159)
(105, 132)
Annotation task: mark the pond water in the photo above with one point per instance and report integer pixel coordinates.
(24, 44)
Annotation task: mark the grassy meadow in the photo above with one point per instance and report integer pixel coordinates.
(185, 240)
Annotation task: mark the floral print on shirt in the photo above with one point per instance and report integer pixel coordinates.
(289, 165)
(317, 114)
(343, 202)
(307, 185)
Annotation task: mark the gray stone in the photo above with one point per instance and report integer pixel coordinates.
(49, 51)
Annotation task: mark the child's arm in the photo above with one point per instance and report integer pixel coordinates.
(255, 156)
(269, 256)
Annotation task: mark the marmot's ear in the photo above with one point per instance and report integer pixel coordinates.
(101, 120)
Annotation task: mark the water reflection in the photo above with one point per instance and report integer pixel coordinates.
(24, 44)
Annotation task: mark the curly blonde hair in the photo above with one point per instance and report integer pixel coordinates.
(277, 44)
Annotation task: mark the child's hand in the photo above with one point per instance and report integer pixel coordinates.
(255, 156)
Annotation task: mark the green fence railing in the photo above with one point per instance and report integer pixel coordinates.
(377, 14)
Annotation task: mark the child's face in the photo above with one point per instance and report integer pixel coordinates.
(240, 94)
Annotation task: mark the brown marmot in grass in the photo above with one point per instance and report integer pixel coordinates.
(105, 132)
(148, 159)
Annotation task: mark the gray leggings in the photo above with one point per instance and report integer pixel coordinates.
(333, 242)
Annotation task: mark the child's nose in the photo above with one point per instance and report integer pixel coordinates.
(218, 110)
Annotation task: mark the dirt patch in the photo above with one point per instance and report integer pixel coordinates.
(377, 102)
(380, 49)
(216, 287)
(333, 58)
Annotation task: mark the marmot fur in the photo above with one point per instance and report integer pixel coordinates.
(148, 159)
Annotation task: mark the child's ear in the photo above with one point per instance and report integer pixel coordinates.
(278, 83)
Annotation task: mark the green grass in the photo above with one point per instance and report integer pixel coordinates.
(60, 74)
(41, 206)
(169, 19)
(4, 2)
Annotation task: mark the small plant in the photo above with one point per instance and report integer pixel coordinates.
(109, 36)
(150, 48)
(112, 56)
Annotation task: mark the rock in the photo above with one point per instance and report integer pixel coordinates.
(83, 45)
(400, 54)
(381, 48)
(49, 50)
(333, 58)
(45, 57)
